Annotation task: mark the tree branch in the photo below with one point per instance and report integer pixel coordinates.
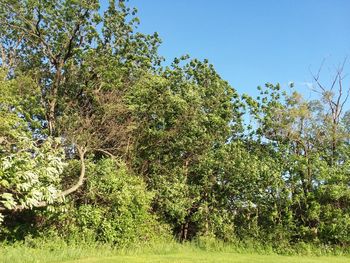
(72, 189)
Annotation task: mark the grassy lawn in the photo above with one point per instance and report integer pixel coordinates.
(171, 252)
(213, 257)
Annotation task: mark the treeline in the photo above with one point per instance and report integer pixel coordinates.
(99, 141)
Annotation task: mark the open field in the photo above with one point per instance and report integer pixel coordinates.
(210, 257)
(164, 252)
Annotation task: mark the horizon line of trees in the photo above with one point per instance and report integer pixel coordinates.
(99, 140)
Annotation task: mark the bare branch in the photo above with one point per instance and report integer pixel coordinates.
(3, 56)
(69, 47)
(81, 179)
(106, 152)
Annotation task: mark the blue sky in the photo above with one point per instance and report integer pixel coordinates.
(251, 42)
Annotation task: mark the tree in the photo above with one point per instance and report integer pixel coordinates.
(303, 132)
(57, 44)
(30, 166)
(182, 116)
(335, 98)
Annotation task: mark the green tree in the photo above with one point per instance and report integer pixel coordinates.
(182, 115)
(30, 167)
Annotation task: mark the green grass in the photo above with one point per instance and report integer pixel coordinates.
(34, 251)
(211, 257)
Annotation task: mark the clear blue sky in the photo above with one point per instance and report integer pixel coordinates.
(251, 42)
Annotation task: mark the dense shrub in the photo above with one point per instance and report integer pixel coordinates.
(114, 207)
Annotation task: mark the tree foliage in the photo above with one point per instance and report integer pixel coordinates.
(99, 139)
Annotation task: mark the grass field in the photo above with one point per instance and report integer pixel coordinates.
(206, 257)
(170, 252)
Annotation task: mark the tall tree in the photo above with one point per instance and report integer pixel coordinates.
(182, 116)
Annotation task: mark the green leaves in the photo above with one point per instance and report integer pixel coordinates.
(116, 206)
(183, 115)
(74, 81)
(30, 175)
(8, 200)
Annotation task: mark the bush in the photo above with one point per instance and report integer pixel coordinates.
(115, 207)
